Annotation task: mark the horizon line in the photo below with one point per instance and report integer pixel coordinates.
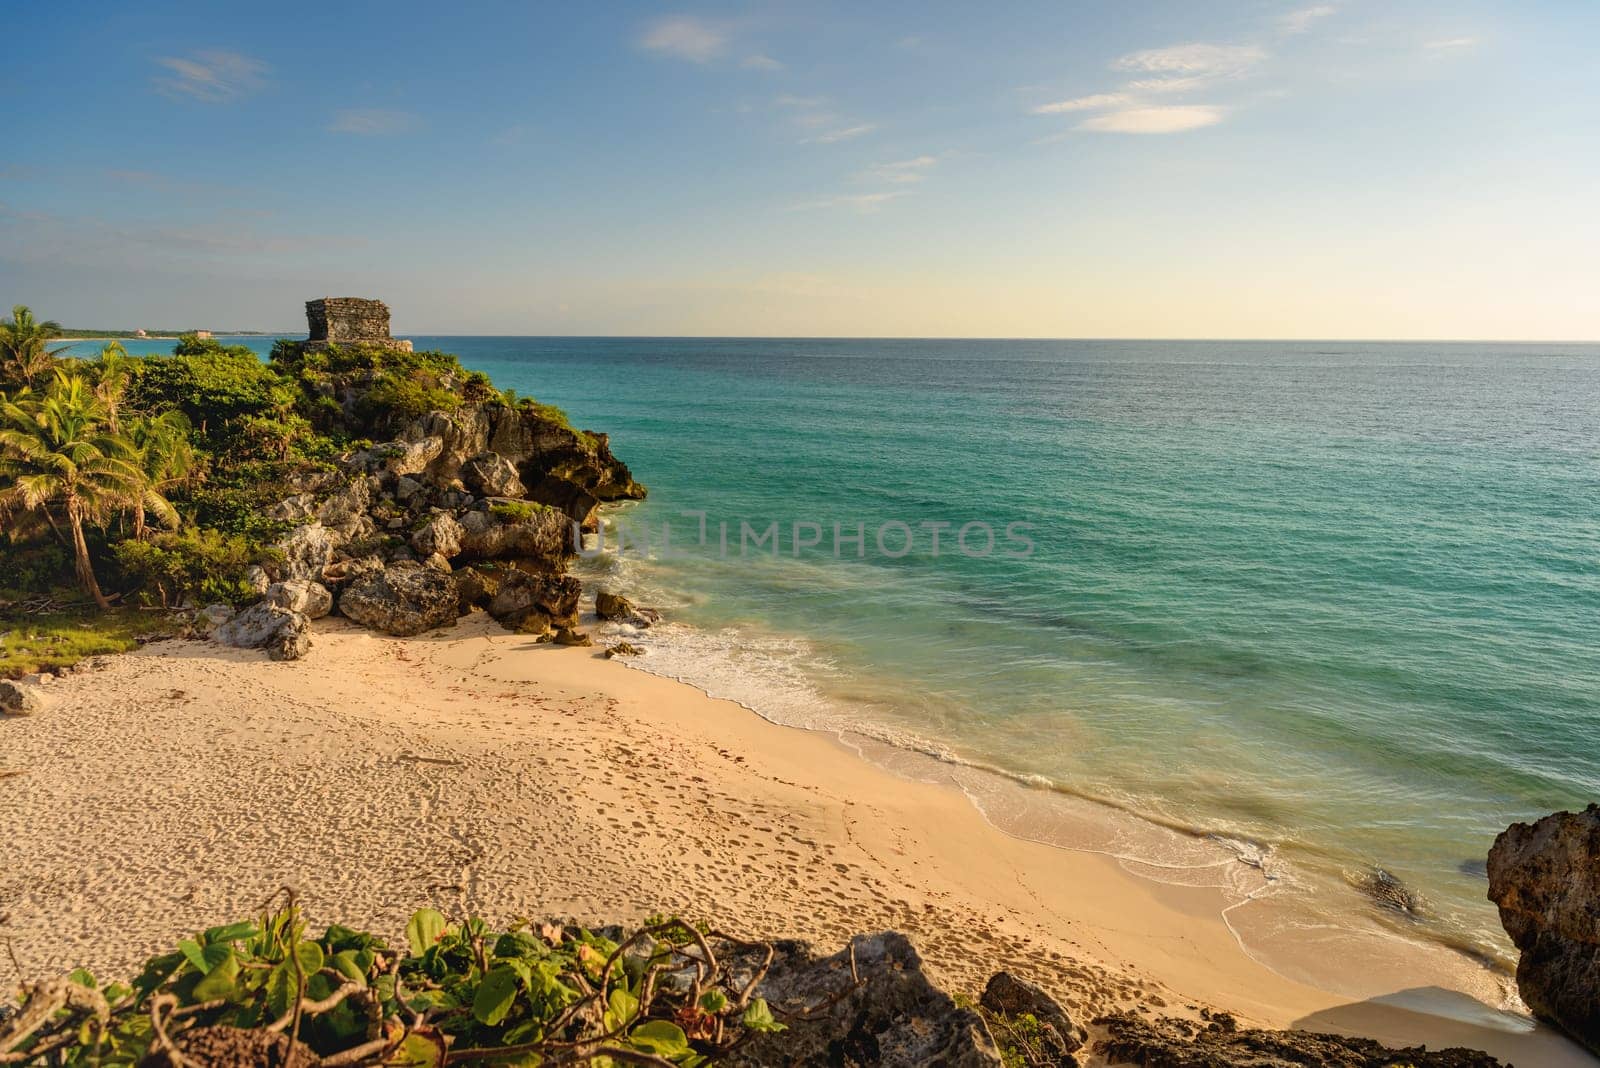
(294, 335)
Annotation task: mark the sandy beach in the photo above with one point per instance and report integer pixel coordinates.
(475, 770)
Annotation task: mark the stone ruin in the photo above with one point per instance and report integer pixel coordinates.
(350, 321)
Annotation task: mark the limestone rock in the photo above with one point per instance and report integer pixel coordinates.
(1545, 877)
(1008, 997)
(283, 632)
(544, 536)
(20, 699)
(255, 576)
(476, 587)
(535, 604)
(406, 487)
(345, 509)
(491, 475)
(403, 599)
(571, 636)
(1220, 1043)
(614, 606)
(895, 1017)
(623, 649)
(307, 552)
(212, 616)
(410, 457)
(311, 599)
(442, 535)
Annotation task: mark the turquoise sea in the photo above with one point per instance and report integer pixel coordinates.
(1332, 606)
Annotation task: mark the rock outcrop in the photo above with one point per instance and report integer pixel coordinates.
(1055, 1036)
(894, 1016)
(310, 599)
(282, 632)
(614, 606)
(1220, 1043)
(20, 699)
(403, 599)
(1545, 878)
(535, 603)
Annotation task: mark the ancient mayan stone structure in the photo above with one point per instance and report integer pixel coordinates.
(350, 321)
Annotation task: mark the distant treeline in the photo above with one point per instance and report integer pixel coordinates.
(70, 333)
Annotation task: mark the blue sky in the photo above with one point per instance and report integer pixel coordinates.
(1246, 169)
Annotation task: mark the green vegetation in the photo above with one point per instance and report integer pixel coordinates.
(60, 639)
(517, 511)
(152, 478)
(456, 993)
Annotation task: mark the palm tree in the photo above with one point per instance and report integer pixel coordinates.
(23, 355)
(56, 456)
(115, 368)
(165, 459)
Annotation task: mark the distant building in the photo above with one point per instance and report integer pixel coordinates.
(140, 333)
(203, 335)
(350, 321)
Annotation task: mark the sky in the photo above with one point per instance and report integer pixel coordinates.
(1234, 169)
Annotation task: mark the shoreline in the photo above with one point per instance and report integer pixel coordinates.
(470, 767)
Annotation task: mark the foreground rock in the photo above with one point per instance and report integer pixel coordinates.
(1545, 877)
(1219, 1043)
(535, 603)
(403, 599)
(285, 634)
(20, 699)
(1008, 997)
(310, 599)
(614, 606)
(894, 1016)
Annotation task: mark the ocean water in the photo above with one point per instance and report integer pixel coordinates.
(1322, 608)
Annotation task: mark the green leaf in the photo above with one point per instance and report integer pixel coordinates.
(495, 995)
(221, 981)
(518, 944)
(352, 964)
(192, 953)
(233, 932)
(425, 928)
(661, 1037)
(758, 1017)
(83, 977)
(713, 1001)
(311, 958)
(621, 1008)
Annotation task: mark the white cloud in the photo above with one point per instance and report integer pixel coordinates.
(214, 76)
(758, 61)
(685, 37)
(865, 203)
(1196, 58)
(844, 134)
(1155, 120)
(1301, 21)
(903, 171)
(1451, 44)
(1185, 84)
(1082, 103)
(373, 122)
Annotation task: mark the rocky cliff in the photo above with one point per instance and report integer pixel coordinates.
(1545, 878)
(468, 498)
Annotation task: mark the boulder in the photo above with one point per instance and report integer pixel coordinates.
(410, 457)
(212, 616)
(623, 649)
(476, 587)
(1545, 878)
(307, 551)
(406, 487)
(256, 577)
(614, 606)
(1220, 1043)
(345, 509)
(491, 475)
(20, 699)
(894, 1016)
(1056, 1038)
(571, 636)
(441, 534)
(283, 632)
(542, 535)
(403, 599)
(535, 603)
(311, 599)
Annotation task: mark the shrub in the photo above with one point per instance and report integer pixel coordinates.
(198, 564)
(528, 995)
(517, 511)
